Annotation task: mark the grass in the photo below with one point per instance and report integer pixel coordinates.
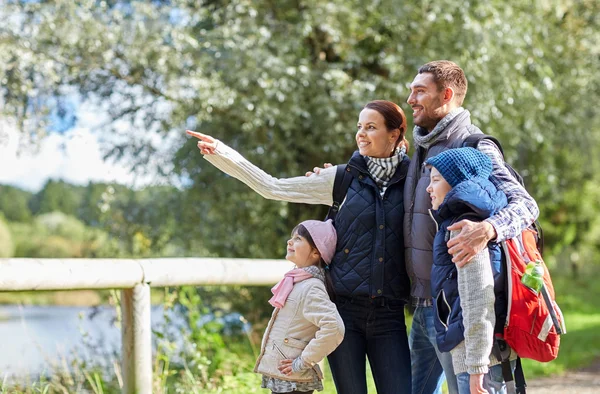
(579, 299)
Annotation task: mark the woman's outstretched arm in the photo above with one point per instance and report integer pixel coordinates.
(315, 189)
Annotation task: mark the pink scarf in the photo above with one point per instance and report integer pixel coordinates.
(282, 290)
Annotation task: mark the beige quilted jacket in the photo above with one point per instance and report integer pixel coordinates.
(308, 325)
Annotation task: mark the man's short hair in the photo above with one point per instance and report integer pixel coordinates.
(447, 74)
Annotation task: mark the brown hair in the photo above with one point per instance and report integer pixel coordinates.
(447, 74)
(394, 118)
(303, 232)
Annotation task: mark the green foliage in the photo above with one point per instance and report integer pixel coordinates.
(124, 222)
(13, 203)
(145, 221)
(208, 360)
(6, 242)
(61, 224)
(283, 84)
(56, 235)
(57, 196)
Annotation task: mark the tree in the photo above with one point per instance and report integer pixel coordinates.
(13, 203)
(145, 221)
(57, 196)
(283, 82)
(7, 248)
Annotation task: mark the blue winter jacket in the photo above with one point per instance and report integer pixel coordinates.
(369, 257)
(474, 199)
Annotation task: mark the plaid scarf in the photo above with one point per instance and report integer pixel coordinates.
(382, 169)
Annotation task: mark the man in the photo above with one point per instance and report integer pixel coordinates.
(437, 94)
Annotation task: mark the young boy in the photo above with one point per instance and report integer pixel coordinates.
(465, 303)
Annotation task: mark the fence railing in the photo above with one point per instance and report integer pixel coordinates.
(135, 278)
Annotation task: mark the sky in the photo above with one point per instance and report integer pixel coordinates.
(73, 154)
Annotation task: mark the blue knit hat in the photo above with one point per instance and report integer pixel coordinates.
(457, 165)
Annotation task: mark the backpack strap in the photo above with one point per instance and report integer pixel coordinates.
(557, 326)
(515, 383)
(469, 216)
(472, 141)
(343, 178)
(520, 377)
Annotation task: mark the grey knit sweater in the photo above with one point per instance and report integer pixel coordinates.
(476, 291)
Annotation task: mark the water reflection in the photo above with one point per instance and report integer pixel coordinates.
(42, 339)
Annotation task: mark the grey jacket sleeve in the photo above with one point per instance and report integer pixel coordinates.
(476, 290)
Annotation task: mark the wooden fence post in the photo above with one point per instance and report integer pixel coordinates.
(136, 340)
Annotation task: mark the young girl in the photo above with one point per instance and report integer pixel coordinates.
(305, 326)
(465, 302)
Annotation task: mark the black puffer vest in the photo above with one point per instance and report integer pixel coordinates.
(369, 257)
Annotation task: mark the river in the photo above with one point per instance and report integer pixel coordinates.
(42, 339)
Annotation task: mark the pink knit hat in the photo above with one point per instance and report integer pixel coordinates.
(324, 237)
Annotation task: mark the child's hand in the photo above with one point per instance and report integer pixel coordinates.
(285, 366)
(476, 384)
(207, 144)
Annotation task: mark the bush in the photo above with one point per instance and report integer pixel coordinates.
(7, 247)
(57, 223)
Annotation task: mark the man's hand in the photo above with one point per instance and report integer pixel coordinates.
(476, 384)
(317, 170)
(473, 238)
(207, 144)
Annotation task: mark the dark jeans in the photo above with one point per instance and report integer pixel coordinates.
(297, 392)
(375, 328)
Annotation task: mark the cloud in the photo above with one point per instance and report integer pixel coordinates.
(74, 156)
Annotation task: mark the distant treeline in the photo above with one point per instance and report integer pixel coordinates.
(97, 220)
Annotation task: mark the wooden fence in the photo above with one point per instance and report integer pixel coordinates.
(135, 278)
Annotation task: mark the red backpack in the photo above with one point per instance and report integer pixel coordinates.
(534, 321)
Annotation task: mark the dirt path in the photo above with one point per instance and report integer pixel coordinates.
(584, 381)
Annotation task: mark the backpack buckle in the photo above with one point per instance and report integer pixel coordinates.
(501, 350)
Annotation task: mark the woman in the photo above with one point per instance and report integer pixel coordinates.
(368, 271)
